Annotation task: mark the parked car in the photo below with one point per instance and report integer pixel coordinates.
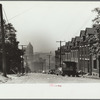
(52, 71)
(80, 72)
(69, 69)
(58, 71)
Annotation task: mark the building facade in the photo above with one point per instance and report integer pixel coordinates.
(83, 51)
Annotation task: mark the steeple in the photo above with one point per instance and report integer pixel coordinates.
(29, 50)
(29, 54)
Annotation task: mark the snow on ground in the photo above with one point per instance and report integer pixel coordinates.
(47, 78)
(3, 79)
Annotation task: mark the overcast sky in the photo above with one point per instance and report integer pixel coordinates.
(43, 23)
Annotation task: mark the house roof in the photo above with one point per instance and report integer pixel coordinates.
(82, 33)
(90, 31)
(73, 40)
(77, 38)
(69, 43)
(66, 43)
(96, 26)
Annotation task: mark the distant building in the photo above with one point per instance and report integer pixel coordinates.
(41, 62)
(29, 55)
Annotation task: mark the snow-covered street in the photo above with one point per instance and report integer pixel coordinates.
(48, 78)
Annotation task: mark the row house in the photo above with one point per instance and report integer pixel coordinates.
(84, 56)
(75, 51)
(92, 61)
(78, 52)
(85, 61)
(68, 51)
(95, 52)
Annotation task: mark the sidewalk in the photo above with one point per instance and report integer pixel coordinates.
(9, 77)
(90, 76)
(3, 79)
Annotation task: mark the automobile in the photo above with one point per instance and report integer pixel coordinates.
(80, 72)
(69, 69)
(52, 71)
(58, 71)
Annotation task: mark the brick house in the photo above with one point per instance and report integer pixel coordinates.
(95, 56)
(84, 51)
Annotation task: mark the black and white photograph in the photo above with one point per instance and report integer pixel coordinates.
(50, 42)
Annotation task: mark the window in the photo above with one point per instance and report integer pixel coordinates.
(74, 43)
(78, 43)
(72, 54)
(83, 38)
(94, 64)
(76, 54)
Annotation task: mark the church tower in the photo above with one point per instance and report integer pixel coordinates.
(29, 54)
(29, 51)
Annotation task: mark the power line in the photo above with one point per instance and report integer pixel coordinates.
(20, 13)
(83, 24)
(5, 15)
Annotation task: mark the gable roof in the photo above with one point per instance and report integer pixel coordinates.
(82, 33)
(77, 38)
(69, 43)
(73, 40)
(90, 31)
(66, 44)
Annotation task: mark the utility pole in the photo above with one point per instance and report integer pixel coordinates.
(49, 59)
(99, 47)
(22, 63)
(3, 43)
(60, 50)
(45, 64)
(42, 66)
